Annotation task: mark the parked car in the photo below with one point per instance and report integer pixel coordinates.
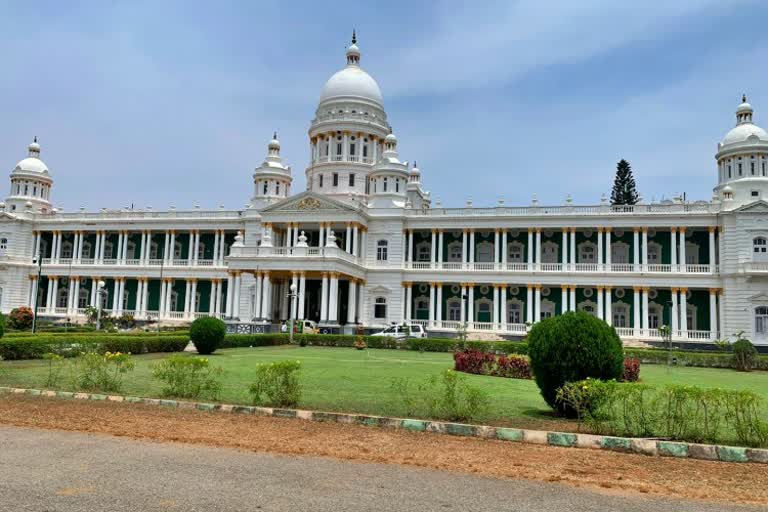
(302, 326)
(403, 331)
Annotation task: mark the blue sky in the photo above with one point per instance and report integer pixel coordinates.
(172, 103)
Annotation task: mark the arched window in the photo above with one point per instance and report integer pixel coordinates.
(619, 253)
(655, 316)
(201, 251)
(3, 244)
(515, 254)
(382, 250)
(587, 253)
(547, 309)
(549, 252)
(423, 251)
(588, 307)
(760, 249)
(82, 299)
(380, 308)
(454, 252)
(177, 250)
(691, 253)
(654, 253)
(422, 308)
(761, 320)
(484, 253)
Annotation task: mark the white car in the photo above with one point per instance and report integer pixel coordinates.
(403, 331)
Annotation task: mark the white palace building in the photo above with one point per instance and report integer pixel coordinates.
(366, 246)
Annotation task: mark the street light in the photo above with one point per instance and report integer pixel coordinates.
(292, 296)
(100, 292)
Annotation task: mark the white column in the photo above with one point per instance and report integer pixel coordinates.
(635, 249)
(408, 301)
(76, 295)
(187, 294)
(191, 247)
(96, 249)
(124, 255)
(53, 289)
(563, 299)
(432, 303)
(600, 256)
(713, 314)
(538, 302)
(530, 249)
(222, 247)
(216, 236)
(433, 248)
(439, 305)
(471, 293)
(496, 237)
(145, 297)
(295, 235)
(564, 248)
(608, 251)
(217, 304)
(674, 314)
(608, 305)
(259, 294)
(196, 253)
(345, 147)
(348, 239)
(38, 237)
(333, 297)
(572, 300)
(636, 313)
(266, 296)
(440, 246)
(645, 249)
(409, 254)
(683, 312)
(355, 240)
(529, 304)
(572, 248)
(712, 252)
(230, 286)
(683, 267)
(645, 311)
(538, 248)
(504, 251)
(464, 251)
(236, 296)
(324, 299)
(139, 296)
(463, 304)
(600, 305)
(363, 239)
(472, 247)
(70, 295)
(495, 317)
(328, 231)
(302, 294)
(321, 235)
(352, 302)
(169, 298)
(120, 294)
(673, 249)
(120, 238)
(289, 235)
(94, 284)
(193, 306)
(162, 308)
(504, 311)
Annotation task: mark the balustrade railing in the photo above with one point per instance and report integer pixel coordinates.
(568, 267)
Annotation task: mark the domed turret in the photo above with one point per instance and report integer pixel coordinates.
(352, 83)
(272, 179)
(742, 159)
(30, 183)
(389, 178)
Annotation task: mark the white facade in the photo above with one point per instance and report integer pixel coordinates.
(365, 246)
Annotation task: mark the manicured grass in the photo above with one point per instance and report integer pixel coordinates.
(343, 379)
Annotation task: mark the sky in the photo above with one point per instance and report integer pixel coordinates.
(160, 103)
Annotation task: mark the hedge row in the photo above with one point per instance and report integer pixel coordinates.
(691, 358)
(77, 335)
(36, 347)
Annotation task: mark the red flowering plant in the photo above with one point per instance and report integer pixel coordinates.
(482, 363)
(631, 370)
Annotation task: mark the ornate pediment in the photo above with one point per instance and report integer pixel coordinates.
(309, 202)
(756, 207)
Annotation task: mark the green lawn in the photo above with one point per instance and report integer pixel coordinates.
(343, 379)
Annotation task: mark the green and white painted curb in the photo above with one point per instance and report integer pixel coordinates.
(562, 439)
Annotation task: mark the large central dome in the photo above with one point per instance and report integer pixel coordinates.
(352, 83)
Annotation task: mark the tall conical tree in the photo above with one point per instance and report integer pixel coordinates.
(624, 191)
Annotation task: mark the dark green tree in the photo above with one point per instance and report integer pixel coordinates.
(624, 191)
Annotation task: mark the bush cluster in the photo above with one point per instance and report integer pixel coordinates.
(20, 318)
(631, 370)
(484, 363)
(101, 372)
(446, 396)
(744, 355)
(685, 413)
(570, 348)
(277, 384)
(34, 347)
(188, 377)
(207, 333)
(693, 358)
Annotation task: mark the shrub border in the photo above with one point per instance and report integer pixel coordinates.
(640, 446)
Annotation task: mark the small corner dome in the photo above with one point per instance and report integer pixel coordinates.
(32, 163)
(274, 143)
(390, 138)
(727, 189)
(744, 107)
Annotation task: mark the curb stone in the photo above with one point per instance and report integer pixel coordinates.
(650, 447)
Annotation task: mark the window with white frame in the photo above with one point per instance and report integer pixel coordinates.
(515, 254)
(484, 252)
(620, 315)
(380, 308)
(382, 247)
(760, 249)
(200, 250)
(82, 299)
(514, 312)
(588, 307)
(654, 253)
(66, 250)
(422, 307)
(3, 244)
(655, 316)
(454, 252)
(587, 253)
(691, 253)
(423, 252)
(547, 309)
(690, 317)
(549, 252)
(483, 308)
(761, 320)
(454, 310)
(619, 253)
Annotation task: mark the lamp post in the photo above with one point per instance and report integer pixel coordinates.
(100, 292)
(292, 296)
(666, 335)
(37, 290)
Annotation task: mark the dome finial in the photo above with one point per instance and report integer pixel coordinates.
(354, 37)
(35, 139)
(274, 135)
(743, 98)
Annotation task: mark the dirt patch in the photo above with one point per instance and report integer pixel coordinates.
(607, 471)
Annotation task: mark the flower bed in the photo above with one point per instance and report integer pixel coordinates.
(484, 363)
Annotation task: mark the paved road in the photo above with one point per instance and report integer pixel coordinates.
(64, 471)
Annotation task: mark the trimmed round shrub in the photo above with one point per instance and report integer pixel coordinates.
(20, 318)
(570, 348)
(744, 355)
(207, 334)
